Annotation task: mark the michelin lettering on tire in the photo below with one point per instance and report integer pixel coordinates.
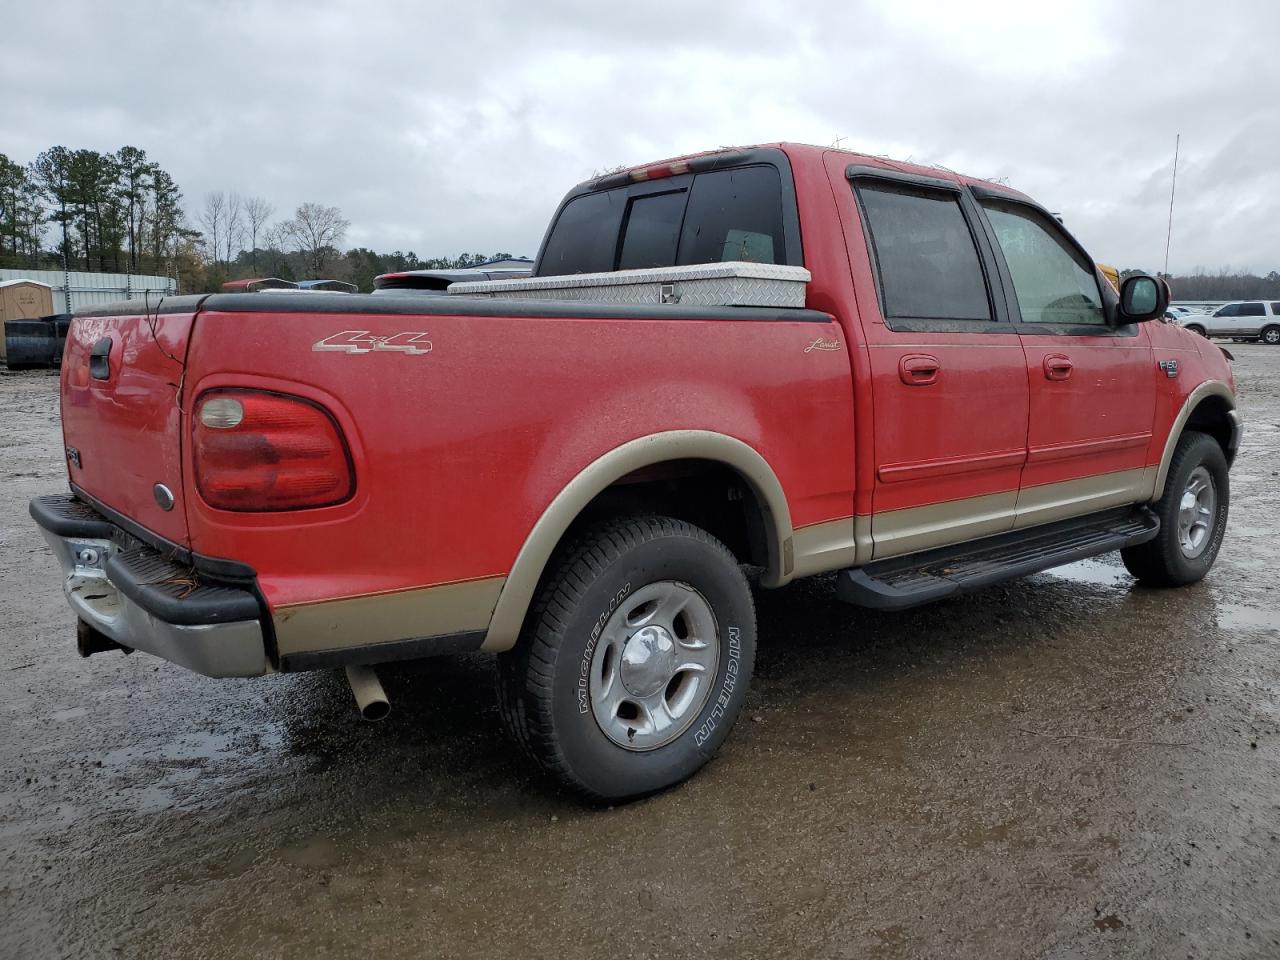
(584, 668)
(726, 688)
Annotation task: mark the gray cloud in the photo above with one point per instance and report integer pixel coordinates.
(442, 129)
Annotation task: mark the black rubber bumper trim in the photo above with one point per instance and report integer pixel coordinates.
(175, 593)
(416, 648)
(153, 572)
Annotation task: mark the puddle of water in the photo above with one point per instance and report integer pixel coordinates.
(1092, 571)
(1236, 616)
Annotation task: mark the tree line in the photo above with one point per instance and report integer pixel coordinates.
(106, 211)
(121, 212)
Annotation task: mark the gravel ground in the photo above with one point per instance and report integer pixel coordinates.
(1067, 766)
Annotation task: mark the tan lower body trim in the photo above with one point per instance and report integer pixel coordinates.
(384, 617)
(820, 547)
(1073, 498)
(910, 530)
(896, 532)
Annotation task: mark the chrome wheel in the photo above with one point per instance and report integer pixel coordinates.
(654, 664)
(1196, 513)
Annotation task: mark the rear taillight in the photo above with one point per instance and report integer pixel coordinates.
(266, 451)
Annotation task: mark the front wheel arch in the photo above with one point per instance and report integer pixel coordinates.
(1208, 409)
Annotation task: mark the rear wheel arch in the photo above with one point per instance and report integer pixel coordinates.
(1207, 410)
(629, 471)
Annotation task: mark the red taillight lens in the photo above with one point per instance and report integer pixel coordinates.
(265, 451)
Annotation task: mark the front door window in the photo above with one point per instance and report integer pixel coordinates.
(1053, 282)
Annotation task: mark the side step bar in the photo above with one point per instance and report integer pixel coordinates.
(902, 582)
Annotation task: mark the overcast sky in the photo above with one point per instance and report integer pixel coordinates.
(448, 127)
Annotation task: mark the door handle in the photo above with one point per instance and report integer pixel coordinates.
(1057, 367)
(918, 369)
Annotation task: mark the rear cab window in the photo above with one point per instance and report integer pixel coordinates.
(738, 213)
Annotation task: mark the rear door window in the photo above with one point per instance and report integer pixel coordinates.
(926, 258)
(651, 230)
(734, 214)
(1251, 310)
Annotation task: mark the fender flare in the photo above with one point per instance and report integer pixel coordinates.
(531, 561)
(1210, 388)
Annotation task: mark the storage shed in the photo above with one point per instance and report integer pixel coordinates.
(23, 300)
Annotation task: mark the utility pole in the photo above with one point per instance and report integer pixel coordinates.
(1172, 191)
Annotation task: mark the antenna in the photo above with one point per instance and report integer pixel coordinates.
(1172, 190)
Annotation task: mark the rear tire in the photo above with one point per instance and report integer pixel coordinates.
(1193, 516)
(1271, 336)
(634, 660)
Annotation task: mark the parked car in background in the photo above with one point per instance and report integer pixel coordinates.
(1242, 320)
(437, 281)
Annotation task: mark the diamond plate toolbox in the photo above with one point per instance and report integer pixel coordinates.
(734, 284)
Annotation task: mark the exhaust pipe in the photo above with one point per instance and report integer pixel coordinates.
(371, 699)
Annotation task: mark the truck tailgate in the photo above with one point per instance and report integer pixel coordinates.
(122, 419)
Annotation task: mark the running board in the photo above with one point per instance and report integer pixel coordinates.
(902, 582)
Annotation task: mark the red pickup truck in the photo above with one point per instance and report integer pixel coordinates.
(283, 482)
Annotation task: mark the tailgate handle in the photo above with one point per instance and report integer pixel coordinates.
(918, 370)
(100, 360)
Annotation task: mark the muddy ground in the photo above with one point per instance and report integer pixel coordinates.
(1068, 766)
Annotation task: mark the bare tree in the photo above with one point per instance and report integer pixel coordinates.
(234, 222)
(258, 211)
(212, 218)
(315, 231)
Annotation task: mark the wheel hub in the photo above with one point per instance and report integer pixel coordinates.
(1196, 511)
(651, 672)
(648, 661)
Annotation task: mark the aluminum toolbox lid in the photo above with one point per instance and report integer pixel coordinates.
(646, 280)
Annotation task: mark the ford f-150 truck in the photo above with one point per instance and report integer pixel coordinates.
(263, 483)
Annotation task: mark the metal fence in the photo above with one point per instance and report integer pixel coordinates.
(75, 288)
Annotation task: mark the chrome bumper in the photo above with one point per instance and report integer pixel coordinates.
(235, 648)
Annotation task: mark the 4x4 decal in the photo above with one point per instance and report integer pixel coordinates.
(362, 341)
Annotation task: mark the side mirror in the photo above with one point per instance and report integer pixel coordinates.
(1142, 298)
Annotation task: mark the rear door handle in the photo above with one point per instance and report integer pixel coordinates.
(918, 369)
(1057, 367)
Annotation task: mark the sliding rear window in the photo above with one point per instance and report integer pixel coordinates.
(711, 217)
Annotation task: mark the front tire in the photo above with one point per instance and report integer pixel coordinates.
(1193, 516)
(634, 660)
(1196, 329)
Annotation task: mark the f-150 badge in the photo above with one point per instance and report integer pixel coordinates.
(362, 341)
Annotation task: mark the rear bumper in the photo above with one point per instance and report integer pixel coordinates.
(143, 600)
